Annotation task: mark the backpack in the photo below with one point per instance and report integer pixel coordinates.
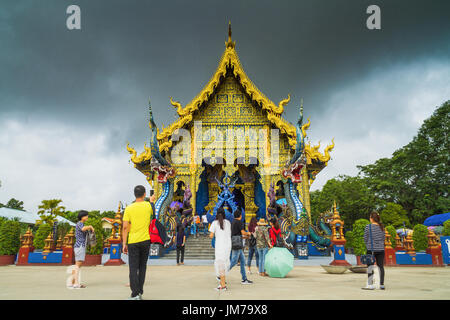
(279, 241)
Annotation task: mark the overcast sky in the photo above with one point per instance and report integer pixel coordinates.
(71, 99)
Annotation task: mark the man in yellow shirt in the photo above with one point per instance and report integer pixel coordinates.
(136, 221)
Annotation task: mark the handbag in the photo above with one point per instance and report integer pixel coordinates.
(236, 242)
(252, 241)
(91, 239)
(369, 259)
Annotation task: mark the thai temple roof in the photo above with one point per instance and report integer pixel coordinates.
(229, 59)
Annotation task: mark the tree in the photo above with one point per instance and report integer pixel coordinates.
(71, 216)
(417, 176)
(108, 214)
(50, 209)
(14, 204)
(394, 214)
(41, 234)
(420, 239)
(352, 195)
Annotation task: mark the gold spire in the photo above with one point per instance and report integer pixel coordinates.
(229, 43)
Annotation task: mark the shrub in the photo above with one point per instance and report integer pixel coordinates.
(393, 233)
(420, 239)
(97, 224)
(349, 238)
(9, 237)
(446, 231)
(359, 247)
(42, 233)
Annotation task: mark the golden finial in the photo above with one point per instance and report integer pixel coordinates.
(229, 43)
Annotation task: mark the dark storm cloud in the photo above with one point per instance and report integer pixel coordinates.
(129, 51)
(70, 100)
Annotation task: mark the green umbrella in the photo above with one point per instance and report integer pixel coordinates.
(279, 261)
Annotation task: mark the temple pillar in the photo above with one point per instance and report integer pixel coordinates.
(434, 249)
(26, 248)
(68, 256)
(389, 252)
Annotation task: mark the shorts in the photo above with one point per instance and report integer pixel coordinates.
(80, 253)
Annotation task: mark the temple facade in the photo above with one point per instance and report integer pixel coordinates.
(231, 129)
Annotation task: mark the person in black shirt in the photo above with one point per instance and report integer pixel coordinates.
(237, 253)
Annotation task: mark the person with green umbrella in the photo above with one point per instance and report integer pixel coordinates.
(279, 261)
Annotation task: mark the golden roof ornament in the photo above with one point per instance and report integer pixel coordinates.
(229, 43)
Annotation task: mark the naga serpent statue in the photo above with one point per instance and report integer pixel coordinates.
(294, 220)
(165, 174)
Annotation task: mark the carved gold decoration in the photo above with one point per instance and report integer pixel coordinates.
(145, 155)
(337, 225)
(313, 153)
(27, 239)
(48, 243)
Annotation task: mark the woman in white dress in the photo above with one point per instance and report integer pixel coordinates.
(221, 230)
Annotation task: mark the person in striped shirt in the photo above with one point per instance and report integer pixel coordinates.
(375, 246)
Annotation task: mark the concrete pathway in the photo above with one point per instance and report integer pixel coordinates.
(198, 282)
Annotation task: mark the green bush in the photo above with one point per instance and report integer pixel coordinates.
(359, 247)
(446, 231)
(393, 233)
(9, 237)
(349, 238)
(420, 239)
(97, 224)
(42, 233)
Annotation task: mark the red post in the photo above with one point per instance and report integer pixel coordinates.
(68, 256)
(434, 249)
(389, 252)
(26, 248)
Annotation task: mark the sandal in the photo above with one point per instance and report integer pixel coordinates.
(219, 288)
(79, 286)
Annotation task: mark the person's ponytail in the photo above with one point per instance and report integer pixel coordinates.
(376, 217)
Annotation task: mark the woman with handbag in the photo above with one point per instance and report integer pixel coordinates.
(252, 244)
(374, 240)
(220, 229)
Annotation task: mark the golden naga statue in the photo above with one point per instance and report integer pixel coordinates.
(145, 155)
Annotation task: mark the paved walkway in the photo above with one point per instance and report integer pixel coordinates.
(311, 261)
(198, 282)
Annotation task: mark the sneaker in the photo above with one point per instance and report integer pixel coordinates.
(246, 281)
(140, 296)
(369, 287)
(134, 298)
(382, 287)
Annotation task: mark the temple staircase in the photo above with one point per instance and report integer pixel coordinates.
(196, 249)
